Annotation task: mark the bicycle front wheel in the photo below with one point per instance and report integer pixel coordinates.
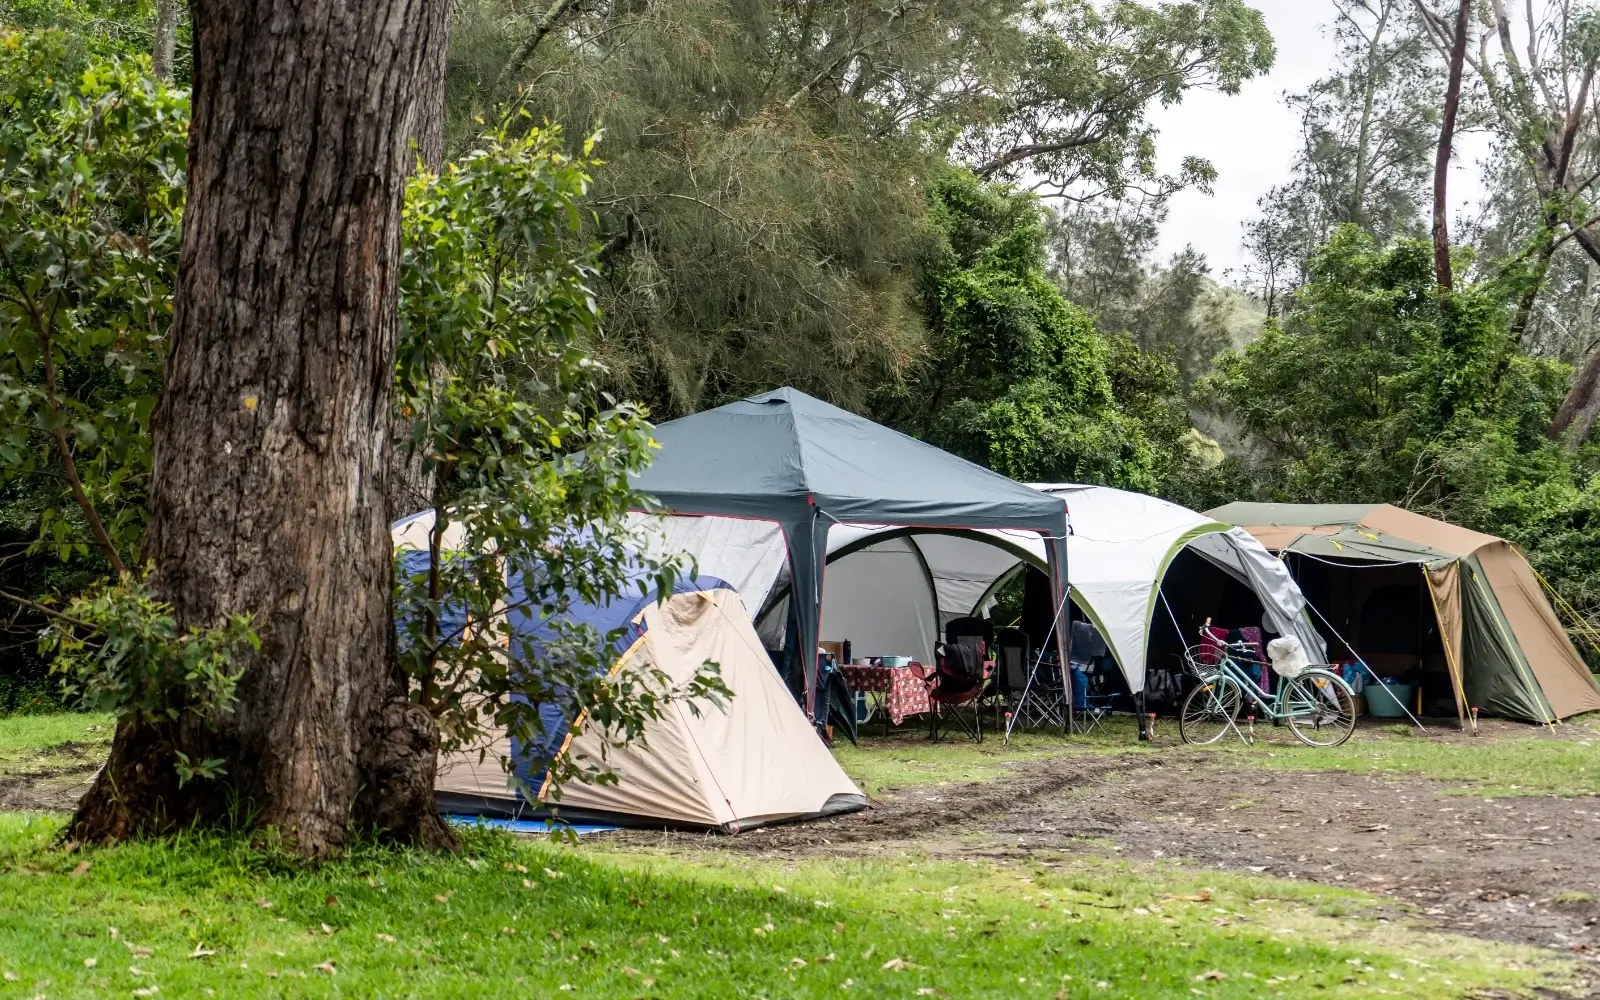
(1320, 708)
(1210, 710)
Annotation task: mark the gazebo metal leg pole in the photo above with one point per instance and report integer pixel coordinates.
(1064, 654)
(1022, 702)
(1066, 686)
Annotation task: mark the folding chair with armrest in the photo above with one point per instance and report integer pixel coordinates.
(958, 680)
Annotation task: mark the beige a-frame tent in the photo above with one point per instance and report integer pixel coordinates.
(1505, 650)
(750, 762)
(753, 762)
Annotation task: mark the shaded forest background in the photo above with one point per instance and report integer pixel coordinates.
(943, 214)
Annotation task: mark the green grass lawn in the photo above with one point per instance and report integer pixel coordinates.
(56, 754)
(1522, 761)
(206, 916)
(214, 916)
(29, 742)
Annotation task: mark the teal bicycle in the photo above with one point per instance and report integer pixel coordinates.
(1317, 705)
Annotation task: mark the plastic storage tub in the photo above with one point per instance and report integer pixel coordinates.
(1389, 701)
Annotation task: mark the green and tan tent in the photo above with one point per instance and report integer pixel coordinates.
(1478, 601)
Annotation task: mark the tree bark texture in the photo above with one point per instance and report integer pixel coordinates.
(272, 440)
(164, 46)
(1441, 165)
(1578, 411)
(429, 129)
(410, 485)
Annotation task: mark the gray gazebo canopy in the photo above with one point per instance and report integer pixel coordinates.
(787, 457)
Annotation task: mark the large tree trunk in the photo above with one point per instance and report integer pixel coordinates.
(272, 440)
(429, 127)
(1441, 165)
(1575, 417)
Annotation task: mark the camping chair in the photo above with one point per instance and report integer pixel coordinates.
(960, 629)
(1043, 697)
(957, 680)
(1089, 708)
(1012, 654)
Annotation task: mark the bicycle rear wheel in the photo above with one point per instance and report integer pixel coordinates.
(1209, 711)
(1320, 709)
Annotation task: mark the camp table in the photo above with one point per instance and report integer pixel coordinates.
(904, 690)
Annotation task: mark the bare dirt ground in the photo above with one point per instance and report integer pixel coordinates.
(52, 783)
(1523, 869)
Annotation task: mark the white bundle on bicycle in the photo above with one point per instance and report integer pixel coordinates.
(1288, 657)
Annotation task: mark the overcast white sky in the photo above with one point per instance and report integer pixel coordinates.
(1251, 138)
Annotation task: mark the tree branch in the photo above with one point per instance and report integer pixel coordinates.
(47, 612)
(845, 58)
(542, 27)
(58, 430)
(1017, 154)
(1441, 166)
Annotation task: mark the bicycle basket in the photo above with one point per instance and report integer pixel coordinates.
(1202, 662)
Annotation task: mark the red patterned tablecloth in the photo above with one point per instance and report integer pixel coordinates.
(904, 688)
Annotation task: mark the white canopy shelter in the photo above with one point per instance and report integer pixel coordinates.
(889, 590)
(1121, 547)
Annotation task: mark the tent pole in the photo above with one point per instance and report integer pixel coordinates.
(1027, 687)
(807, 556)
(1063, 635)
(1414, 720)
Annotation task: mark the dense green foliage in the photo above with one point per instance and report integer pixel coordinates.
(529, 463)
(92, 206)
(88, 27)
(1375, 389)
(1016, 377)
(94, 160)
(763, 208)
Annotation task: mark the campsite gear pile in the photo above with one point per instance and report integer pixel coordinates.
(1121, 549)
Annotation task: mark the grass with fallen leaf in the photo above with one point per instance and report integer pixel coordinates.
(208, 915)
